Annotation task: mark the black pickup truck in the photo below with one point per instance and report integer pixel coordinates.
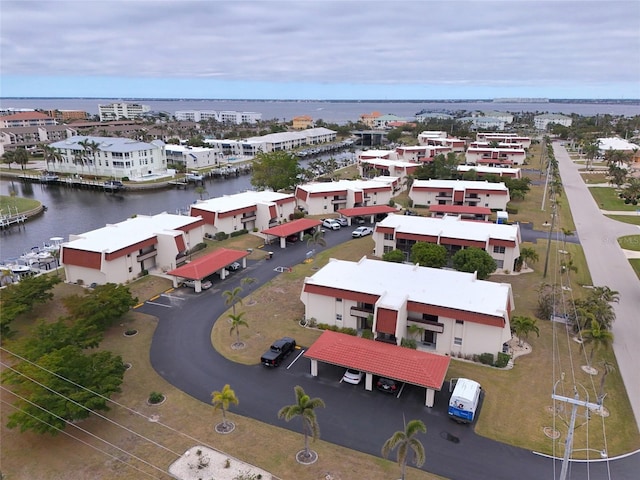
(278, 352)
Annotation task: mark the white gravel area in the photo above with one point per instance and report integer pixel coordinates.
(204, 463)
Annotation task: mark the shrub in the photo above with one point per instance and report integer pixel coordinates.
(503, 360)
(409, 343)
(144, 273)
(221, 236)
(349, 331)
(486, 358)
(298, 214)
(512, 210)
(155, 397)
(255, 229)
(237, 233)
(125, 179)
(368, 334)
(392, 203)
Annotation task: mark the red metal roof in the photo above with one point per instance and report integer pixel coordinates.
(460, 209)
(399, 363)
(372, 210)
(289, 228)
(205, 266)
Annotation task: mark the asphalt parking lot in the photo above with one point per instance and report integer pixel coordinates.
(181, 352)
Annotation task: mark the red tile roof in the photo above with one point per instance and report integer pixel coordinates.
(372, 210)
(460, 209)
(26, 116)
(399, 363)
(289, 228)
(205, 266)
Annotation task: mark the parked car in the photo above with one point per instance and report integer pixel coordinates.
(387, 385)
(293, 238)
(331, 223)
(235, 266)
(343, 221)
(279, 350)
(353, 377)
(359, 220)
(362, 232)
(205, 284)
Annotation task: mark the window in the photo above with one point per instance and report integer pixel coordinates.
(338, 317)
(459, 322)
(338, 300)
(387, 249)
(130, 269)
(498, 249)
(457, 340)
(388, 236)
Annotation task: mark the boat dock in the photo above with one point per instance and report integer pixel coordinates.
(74, 182)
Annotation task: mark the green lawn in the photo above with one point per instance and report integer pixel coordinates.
(607, 199)
(635, 263)
(633, 220)
(630, 242)
(10, 204)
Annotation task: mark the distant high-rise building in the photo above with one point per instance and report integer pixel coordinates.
(117, 111)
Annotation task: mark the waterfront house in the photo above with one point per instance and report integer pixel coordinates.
(123, 251)
(450, 312)
(110, 157)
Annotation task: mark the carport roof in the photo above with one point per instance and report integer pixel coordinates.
(371, 210)
(292, 227)
(399, 363)
(208, 264)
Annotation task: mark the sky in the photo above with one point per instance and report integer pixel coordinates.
(320, 49)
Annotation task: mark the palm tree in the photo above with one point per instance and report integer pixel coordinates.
(236, 322)
(221, 400)
(200, 190)
(591, 151)
(304, 408)
(51, 155)
(522, 326)
(607, 368)
(231, 297)
(566, 232)
(315, 238)
(528, 255)
(598, 337)
(21, 157)
(405, 442)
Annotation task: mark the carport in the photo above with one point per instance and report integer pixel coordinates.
(370, 212)
(206, 265)
(406, 365)
(290, 228)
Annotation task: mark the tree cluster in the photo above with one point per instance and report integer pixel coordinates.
(56, 380)
(276, 171)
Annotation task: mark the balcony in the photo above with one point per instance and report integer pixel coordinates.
(248, 218)
(149, 254)
(442, 196)
(361, 312)
(339, 200)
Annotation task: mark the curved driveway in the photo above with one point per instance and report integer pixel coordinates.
(181, 353)
(609, 267)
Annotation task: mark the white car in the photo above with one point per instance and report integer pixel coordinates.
(204, 284)
(331, 223)
(342, 221)
(362, 232)
(353, 377)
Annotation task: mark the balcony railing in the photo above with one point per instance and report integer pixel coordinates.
(248, 218)
(361, 312)
(149, 254)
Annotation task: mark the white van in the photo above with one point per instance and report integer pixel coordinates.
(464, 399)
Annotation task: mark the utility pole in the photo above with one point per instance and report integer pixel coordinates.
(575, 402)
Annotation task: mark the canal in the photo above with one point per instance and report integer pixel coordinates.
(74, 211)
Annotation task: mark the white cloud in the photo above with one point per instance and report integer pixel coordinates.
(358, 42)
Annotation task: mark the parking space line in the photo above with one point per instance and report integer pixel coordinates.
(400, 391)
(159, 304)
(296, 359)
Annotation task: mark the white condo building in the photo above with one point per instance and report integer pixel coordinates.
(117, 111)
(111, 157)
(233, 117)
(390, 297)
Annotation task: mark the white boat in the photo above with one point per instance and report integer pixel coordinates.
(194, 177)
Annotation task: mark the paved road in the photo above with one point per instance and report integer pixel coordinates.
(609, 267)
(181, 353)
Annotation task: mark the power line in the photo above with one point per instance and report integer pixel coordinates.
(130, 410)
(83, 430)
